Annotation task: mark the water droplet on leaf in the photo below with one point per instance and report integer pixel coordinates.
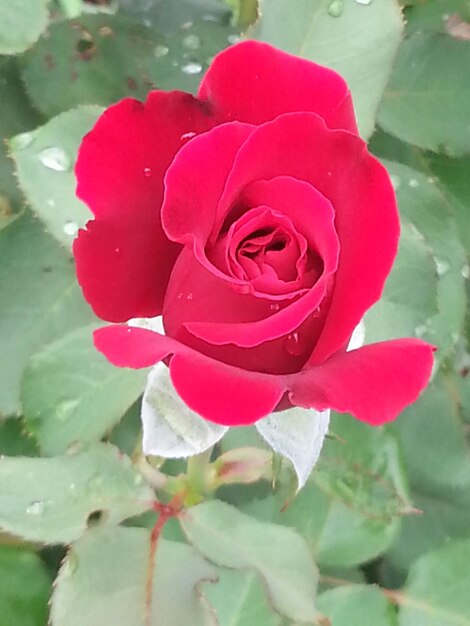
(465, 271)
(160, 51)
(22, 141)
(233, 39)
(192, 68)
(36, 508)
(55, 159)
(70, 228)
(335, 8)
(364, 2)
(396, 181)
(191, 42)
(442, 266)
(413, 183)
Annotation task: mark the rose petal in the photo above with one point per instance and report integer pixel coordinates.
(357, 185)
(374, 383)
(120, 171)
(195, 181)
(254, 82)
(218, 392)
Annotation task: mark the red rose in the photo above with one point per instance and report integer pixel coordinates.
(255, 220)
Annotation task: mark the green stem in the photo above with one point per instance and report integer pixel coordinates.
(198, 474)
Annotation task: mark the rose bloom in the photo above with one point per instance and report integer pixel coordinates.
(253, 218)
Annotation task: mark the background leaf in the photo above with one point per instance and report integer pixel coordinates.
(50, 500)
(21, 23)
(356, 606)
(357, 39)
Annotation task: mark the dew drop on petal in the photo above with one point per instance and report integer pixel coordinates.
(293, 345)
(55, 159)
(192, 68)
(188, 135)
(335, 8)
(147, 172)
(275, 306)
(70, 228)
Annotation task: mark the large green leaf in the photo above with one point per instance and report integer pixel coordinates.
(39, 301)
(350, 510)
(105, 578)
(434, 442)
(230, 538)
(21, 23)
(357, 39)
(45, 160)
(239, 599)
(430, 77)
(436, 592)
(357, 605)
(429, 209)
(50, 500)
(72, 395)
(25, 588)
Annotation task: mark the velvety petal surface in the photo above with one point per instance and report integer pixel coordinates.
(120, 171)
(254, 82)
(374, 383)
(338, 164)
(220, 393)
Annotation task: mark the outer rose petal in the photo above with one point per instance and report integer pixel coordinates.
(374, 383)
(220, 393)
(124, 258)
(254, 82)
(357, 185)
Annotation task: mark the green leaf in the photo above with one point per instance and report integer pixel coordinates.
(433, 16)
(21, 24)
(25, 588)
(16, 116)
(357, 605)
(436, 592)
(409, 299)
(13, 440)
(170, 428)
(45, 159)
(297, 434)
(430, 77)
(429, 208)
(350, 510)
(39, 301)
(231, 539)
(357, 39)
(72, 395)
(105, 577)
(50, 500)
(434, 444)
(440, 520)
(170, 16)
(239, 599)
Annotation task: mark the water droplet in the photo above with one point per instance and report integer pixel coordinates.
(465, 271)
(335, 8)
(51, 202)
(432, 180)
(160, 51)
(189, 135)
(36, 508)
(189, 296)
(191, 42)
(442, 266)
(22, 141)
(147, 172)
(275, 306)
(70, 228)
(422, 329)
(55, 159)
(139, 480)
(234, 38)
(65, 409)
(187, 25)
(413, 183)
(192, 68)
(364, 2)
(396, 181)
(293, 345)
(117, 250)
